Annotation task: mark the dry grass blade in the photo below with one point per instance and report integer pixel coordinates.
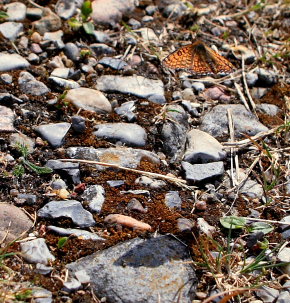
(232, 293)
(177, 181)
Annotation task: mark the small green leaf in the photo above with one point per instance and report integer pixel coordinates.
(86, 10)
(3, 15)
(260, 227)
(233, 222)
(40, 170)
(62, 241)
(89, 28)
(74, 23)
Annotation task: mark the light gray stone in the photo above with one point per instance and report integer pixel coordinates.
(14, 221)
(6, 78)
(54, 133)
(267, 294)
(64, 83)
(65, 8)
(72, 285)
(16, 11)
(6, 119)
(173, 132)
(55, 37)
(50, 22)
(266, 78)
(11, 30)
(36, 251)
(29, 85)
(72, 51)
(251, 79)
(21, 139)
(42, 295)
(152, 183)
(198, 86)
(201, 172)
(82, 234)
(69, 209)
(34, 13)
(124, 133)
(60, 72)
(42, 269)
(135, 85)
(113, 63)
(173, 200)
(284, 256)
(284, 297)
(95, 196)
(72, 169)
(102, 49)
(215, 122)
(184, 225)
(269, 109)
(202, 148)
(115, 272)
(10, 62)
(89, 99)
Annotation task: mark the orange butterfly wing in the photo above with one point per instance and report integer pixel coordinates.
(198, 59)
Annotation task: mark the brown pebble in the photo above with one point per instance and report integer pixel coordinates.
(200, 205)
(127, 221)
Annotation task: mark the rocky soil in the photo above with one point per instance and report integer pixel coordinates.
(118, 176)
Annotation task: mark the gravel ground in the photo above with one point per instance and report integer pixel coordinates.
(125, 178)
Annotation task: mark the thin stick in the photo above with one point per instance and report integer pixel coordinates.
(246, 86)
(232, 152)
(242, 97)
(267, 221)
(177, 181)
(245, 142)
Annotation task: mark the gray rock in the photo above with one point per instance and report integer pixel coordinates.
(33, 58)
(72, 169)
(201, 172)
(258, 92)
(173, 200)
(6, 97)
(146, 19)
(102, 49)
(82, 276)
(11, 30)
(251, 79)
(266, 78)
(34, 13)
(36, 251)
(151, 9)
(6, 119)
(65, 9)
(42, 296)
(198, 86)
(288, 185)
(252, 189)
(134, 85)
(284, 256)
(55, 37)
(116, 183)
(54, 133)
(83, 234)
(123, 156)
(60, 72)
(101, 37)
(136, 205)
(126, 110)
(58, 184)
(215, 122)
(267, 294)
(187, 105)
(184, 225)
(188, 94)
(125, 133)
(16, 11)
(21, 139)
(113, 63)
(28, 198)
(42, 269)
(95, 196)
(63, 83)
(134, 24)
(68, 209)
(175, 10)
(72, 51)
(115, 272)
(152, 183)
(110, 12)
(174, 131)
(284, 297)
(203, 148)
(29, 85)
(72, 285)
(89, 99)
(269, 109)
(50, 22)
(6, 79)
(78, 124)
(10, 62)
(13, 220)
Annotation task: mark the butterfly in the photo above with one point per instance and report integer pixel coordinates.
(198, 59)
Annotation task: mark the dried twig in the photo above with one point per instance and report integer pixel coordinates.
(242, 97)
(177, 181)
